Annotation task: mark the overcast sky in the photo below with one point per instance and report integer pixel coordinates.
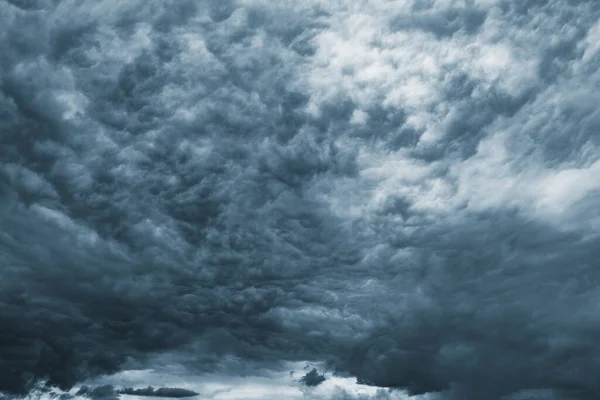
(211, 194)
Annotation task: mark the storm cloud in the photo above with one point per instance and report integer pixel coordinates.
(313, 378)
(160, 392)
(406, 192)
(108, 392)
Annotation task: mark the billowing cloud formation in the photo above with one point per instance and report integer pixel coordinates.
(407, 191)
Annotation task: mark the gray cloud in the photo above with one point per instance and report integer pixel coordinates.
(104, 392)
(313, 378)
(160, 392)
(109, 392)
(408, 195)
(441, 23)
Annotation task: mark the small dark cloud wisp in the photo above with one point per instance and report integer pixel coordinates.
(109, 392)
(312, 378)
(175, 393)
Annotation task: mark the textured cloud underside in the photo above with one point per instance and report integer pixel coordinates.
(405, 191)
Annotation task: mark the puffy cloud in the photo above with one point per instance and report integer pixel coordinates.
(405, 191)
(313, 378)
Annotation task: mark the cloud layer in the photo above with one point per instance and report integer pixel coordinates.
(405, 191)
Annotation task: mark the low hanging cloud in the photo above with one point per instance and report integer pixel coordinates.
(312, 378)
(176, 393)
(104, 392)
(406, 192)
(107, 392)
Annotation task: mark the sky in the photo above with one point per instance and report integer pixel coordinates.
(221, 196)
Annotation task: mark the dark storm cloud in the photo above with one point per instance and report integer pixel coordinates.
(491, 315)
(176, 393)
(109, 392)
(313, 378)
(104, 392)
(128, 231)
(169, 194)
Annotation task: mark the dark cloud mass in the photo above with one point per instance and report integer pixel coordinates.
(104, 392)
(407, 192)
(108, 392)
(176, 393)
(313, 378)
